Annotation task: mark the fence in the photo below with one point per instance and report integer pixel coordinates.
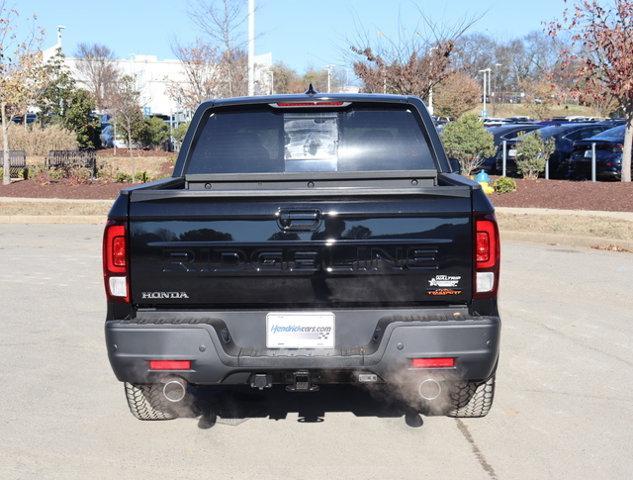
(17, 163)
(68, 159)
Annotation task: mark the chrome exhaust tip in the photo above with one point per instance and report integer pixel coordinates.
(174, 390)
(429, 389)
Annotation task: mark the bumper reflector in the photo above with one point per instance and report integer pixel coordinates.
(485, 281)
(438, 362)
(118, 286)
(170, 364)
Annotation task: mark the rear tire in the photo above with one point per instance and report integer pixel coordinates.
(146, 402)
(471, 399)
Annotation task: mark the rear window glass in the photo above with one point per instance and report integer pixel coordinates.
(269, 140)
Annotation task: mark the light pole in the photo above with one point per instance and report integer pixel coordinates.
(251, 47)
(486, 75)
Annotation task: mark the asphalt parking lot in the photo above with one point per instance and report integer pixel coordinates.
(563, 405)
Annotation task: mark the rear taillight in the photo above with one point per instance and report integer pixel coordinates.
(115, 262)
(487, 257)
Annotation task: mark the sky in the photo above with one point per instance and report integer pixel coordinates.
(300, 33)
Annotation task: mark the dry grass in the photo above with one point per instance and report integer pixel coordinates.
(567, 225)
(54, 208)
(151, 165)
(155, 166)
(38, 141)
(515, 109)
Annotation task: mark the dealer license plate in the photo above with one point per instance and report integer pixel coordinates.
(300, 330)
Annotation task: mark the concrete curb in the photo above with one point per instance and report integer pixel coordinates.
(52, 219)
(567, 240)
(627, 216)
(54, 200)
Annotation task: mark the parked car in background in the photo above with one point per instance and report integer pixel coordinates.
(519, 119)
(494, 122)
(564, 136)
(440, 122)
(609, 145)
(19, 119)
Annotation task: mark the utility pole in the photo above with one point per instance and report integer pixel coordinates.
(251, 47)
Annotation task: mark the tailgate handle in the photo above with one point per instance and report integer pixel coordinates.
(295, 220)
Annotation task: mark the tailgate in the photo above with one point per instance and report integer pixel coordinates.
(291, 252)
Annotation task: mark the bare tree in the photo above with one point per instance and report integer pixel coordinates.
(413, 62)
(527, 59)
(96, 64)
(202, 75)
(474, 52)
(19, 73)
(603, 36)
(126, 108)
(223, 22)
(455, 95)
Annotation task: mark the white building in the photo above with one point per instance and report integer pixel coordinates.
(153, 76)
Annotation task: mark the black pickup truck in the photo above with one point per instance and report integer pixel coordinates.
(305, 240)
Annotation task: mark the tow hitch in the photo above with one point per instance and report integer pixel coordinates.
(301, 381)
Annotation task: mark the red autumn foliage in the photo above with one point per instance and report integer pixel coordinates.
(602, 57)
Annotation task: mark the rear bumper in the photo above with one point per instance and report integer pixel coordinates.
(215, 360)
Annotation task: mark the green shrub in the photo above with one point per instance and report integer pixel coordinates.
(532, 153)
(504, 185)
(80, 175)
(152, 132)
(122, 177)
(106, 172)
(142, 177)
(56, 174)
(179, 131)
(35, 171)
(468, 141)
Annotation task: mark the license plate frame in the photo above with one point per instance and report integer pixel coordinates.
(312, 330)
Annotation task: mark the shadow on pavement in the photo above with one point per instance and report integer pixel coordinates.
(234, 407)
